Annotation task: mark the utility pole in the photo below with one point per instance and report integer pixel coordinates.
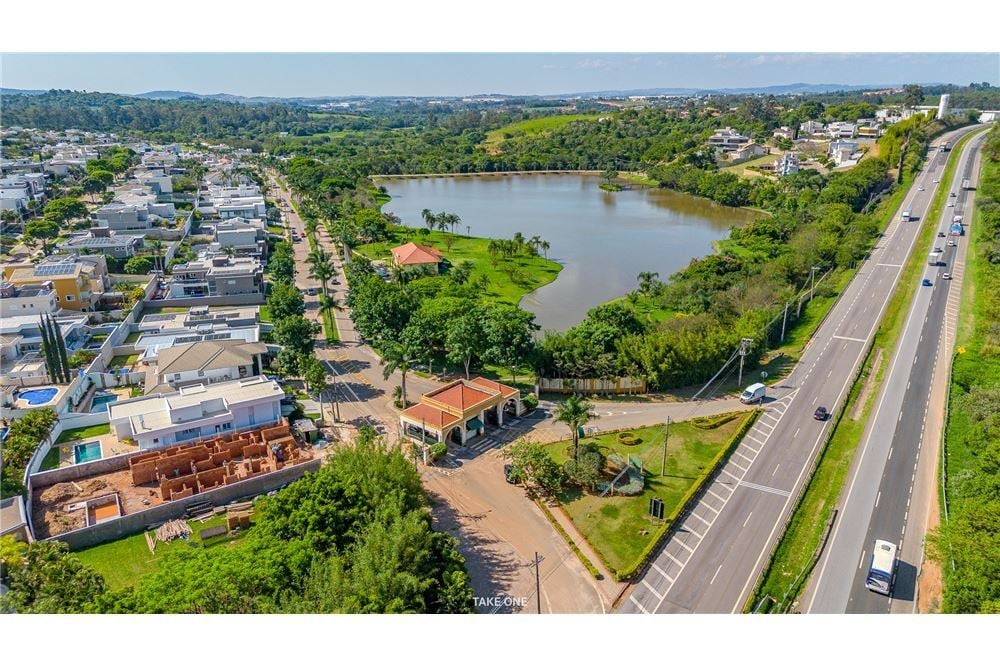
(744, 348)
(666, 434)
(538, 585)
(784, 319)
(812, 281)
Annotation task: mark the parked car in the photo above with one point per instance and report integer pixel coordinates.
(937, 180)
(926, 282)
(821, 414)
(951, 203)
(952, 194)
(753, 393)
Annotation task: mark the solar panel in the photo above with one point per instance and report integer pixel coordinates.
(54, 269)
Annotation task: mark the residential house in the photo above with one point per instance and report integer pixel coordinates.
(14, 520)
(204, 362)
(104, 240)
(787, 164)
(748, 151)
(727, 139)
(784, 132)
(27, 299)
(197, 412)
(21, 344)
(812, 127)
(841, 130)
(460, 411)
(412, 255)
(78, 280)
(119, 216)
(842, 152)
(246, 237)
(218, 276)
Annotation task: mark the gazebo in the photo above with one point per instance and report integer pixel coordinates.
(460, 411)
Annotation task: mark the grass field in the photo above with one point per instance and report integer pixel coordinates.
(618, 528)
(533, 126)
(84, 432)
(795, 552)
(123, 562)
(531, 272)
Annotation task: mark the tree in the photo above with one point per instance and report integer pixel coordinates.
(460, 273)
(587, 470)
(60, 344)
(314, 373)
(287, 361)
(46, 579)
(575, 412)
(397, 357)
(52, 367)
(285, 300)
(296, 333)
(92, 186)
(609, 174)
(531, 462)
(138, 265)
(63, 209)
(41, 229)
(545, 245)
(429, 218)
(463, 341)
(913, 95)
(647, 282)
(508, 335)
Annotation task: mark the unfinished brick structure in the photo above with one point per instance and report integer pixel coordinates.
(185, 470)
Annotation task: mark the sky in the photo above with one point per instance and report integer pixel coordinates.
(456, 74)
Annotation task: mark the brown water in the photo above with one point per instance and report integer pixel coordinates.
(603, 239)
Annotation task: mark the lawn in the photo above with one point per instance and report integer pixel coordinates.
(123, 361)
(330, 327)
(132, 337)
(123, 562)
(534, 126)
(529, 273)
(794, 555)
(84, 432)
(265, 314)
(619, 528)
(51, 460)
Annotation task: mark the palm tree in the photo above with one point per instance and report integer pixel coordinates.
(229, 251)
(157, 247)
(321, 268)
(575, 411)
(647, 281)
(453, 220)
(545, 245)
(429, 218)
(535, 241)
(442, 219)
(397, 357)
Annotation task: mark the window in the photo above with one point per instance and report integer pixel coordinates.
(230, 282)
(69, 297)
(201, 374)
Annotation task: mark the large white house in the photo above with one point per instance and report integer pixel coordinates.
(197, 412)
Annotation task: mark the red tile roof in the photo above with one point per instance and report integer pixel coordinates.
(460, 396)
(506, 390)
(430, 416)
(411, 254)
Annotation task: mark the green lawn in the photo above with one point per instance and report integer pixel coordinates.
(124, 561)
(795, 552)
(51, 460)
(84, 432)
(265, 314)
(123, 361)
(132, 337)
(330, 327)
(529, 273)
(618, 528)
(534, 126)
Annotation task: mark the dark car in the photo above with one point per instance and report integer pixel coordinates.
(940, 235)
(926, 282)
(509, 475)
(821, 414)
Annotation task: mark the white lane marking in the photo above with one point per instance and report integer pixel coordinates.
(775, 470)
(707, 523)
(636, 603)
(662, 573)
(715, 575)
(861, 563)
(689, 549)
(856, 340)
(673, 558)
(768, 489)
(652, 590)
(748, 519)
(797, 432)
(877, 498)
(893, 266)
(737, 453)
(710, 491)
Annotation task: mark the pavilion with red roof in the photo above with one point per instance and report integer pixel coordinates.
(460, 411)
(411, 254)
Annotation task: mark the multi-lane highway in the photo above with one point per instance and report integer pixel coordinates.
(713, 559)
(881, 487)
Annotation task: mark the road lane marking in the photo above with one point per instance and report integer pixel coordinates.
(796, 432)
(636, 603)
(861, 563)
(690, 550)
(748, 519)
(768, 489)
(715, 575)
(710, 491)
(877, 498)
(662, 573)
(673, 558)
(707, 523)
(695, 533)
(892, 266)
(737, 453)
(775, 470)
(652, 590)
(856, 340)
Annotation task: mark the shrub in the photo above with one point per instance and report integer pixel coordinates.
(530, 402)
(628, 438)
(437, 451)
(715, 421)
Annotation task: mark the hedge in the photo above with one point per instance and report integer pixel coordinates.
(715, 421)
(666, 529)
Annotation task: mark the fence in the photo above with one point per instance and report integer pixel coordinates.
(621, 385)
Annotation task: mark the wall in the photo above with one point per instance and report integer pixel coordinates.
(231, 300)
(133, 523)
(622, 385)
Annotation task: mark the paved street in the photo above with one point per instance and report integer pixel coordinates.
(715, 556)
(878, 502)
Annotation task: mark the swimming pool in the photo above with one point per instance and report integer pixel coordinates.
(87, 451)
(38, 396)
(101, 400)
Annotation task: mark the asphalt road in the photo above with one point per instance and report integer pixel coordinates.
(713, 559)
(881, 488)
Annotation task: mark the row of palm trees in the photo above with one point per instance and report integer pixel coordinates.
(508, 248)
(441, 221)
(321, 268)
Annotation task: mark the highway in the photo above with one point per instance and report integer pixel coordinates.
(881, 486)
(714, 557)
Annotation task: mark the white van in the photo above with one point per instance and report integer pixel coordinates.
(753, 393)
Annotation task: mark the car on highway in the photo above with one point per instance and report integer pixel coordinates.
(952, 194)
(926, 282)
(951, 243)
(951, 203)
(940, 235)
(921, 188)
(821, 414)
(937, 180)
(945, 276)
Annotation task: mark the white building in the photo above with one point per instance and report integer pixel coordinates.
(205, 362)
(812, 127)
(842, 130)
(197, 412)
(784, 132)
(748, 151)
(727, 139)
(27, 299)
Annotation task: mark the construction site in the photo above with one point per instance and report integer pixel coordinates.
(140, 483)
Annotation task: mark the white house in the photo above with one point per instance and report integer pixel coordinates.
(748, 150)
(27, 299)
(727, 139)
(784, 132)
(812, 127)
(842, 130)
(205, 362)
(197, 412)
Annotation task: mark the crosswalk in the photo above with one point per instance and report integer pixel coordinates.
(497, 437)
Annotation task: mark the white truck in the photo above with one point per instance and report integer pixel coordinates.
(754, 393)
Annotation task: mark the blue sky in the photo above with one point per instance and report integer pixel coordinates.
(310, 74)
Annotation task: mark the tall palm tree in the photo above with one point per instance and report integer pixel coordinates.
(535, 241)
(453, 220)
(321, 268)
(647, 281)
(429, 218)
(442, 219)
(157, 247)
(545, 245)
(575, 411)
(397, 357)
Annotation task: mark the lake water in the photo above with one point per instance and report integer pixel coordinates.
(603, 239)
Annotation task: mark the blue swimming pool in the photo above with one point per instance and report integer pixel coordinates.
(87, 451)
(101, 400)
(38, 396)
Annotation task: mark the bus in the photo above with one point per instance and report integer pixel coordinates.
(882, 568)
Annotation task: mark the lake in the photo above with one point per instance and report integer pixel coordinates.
(603, 239)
